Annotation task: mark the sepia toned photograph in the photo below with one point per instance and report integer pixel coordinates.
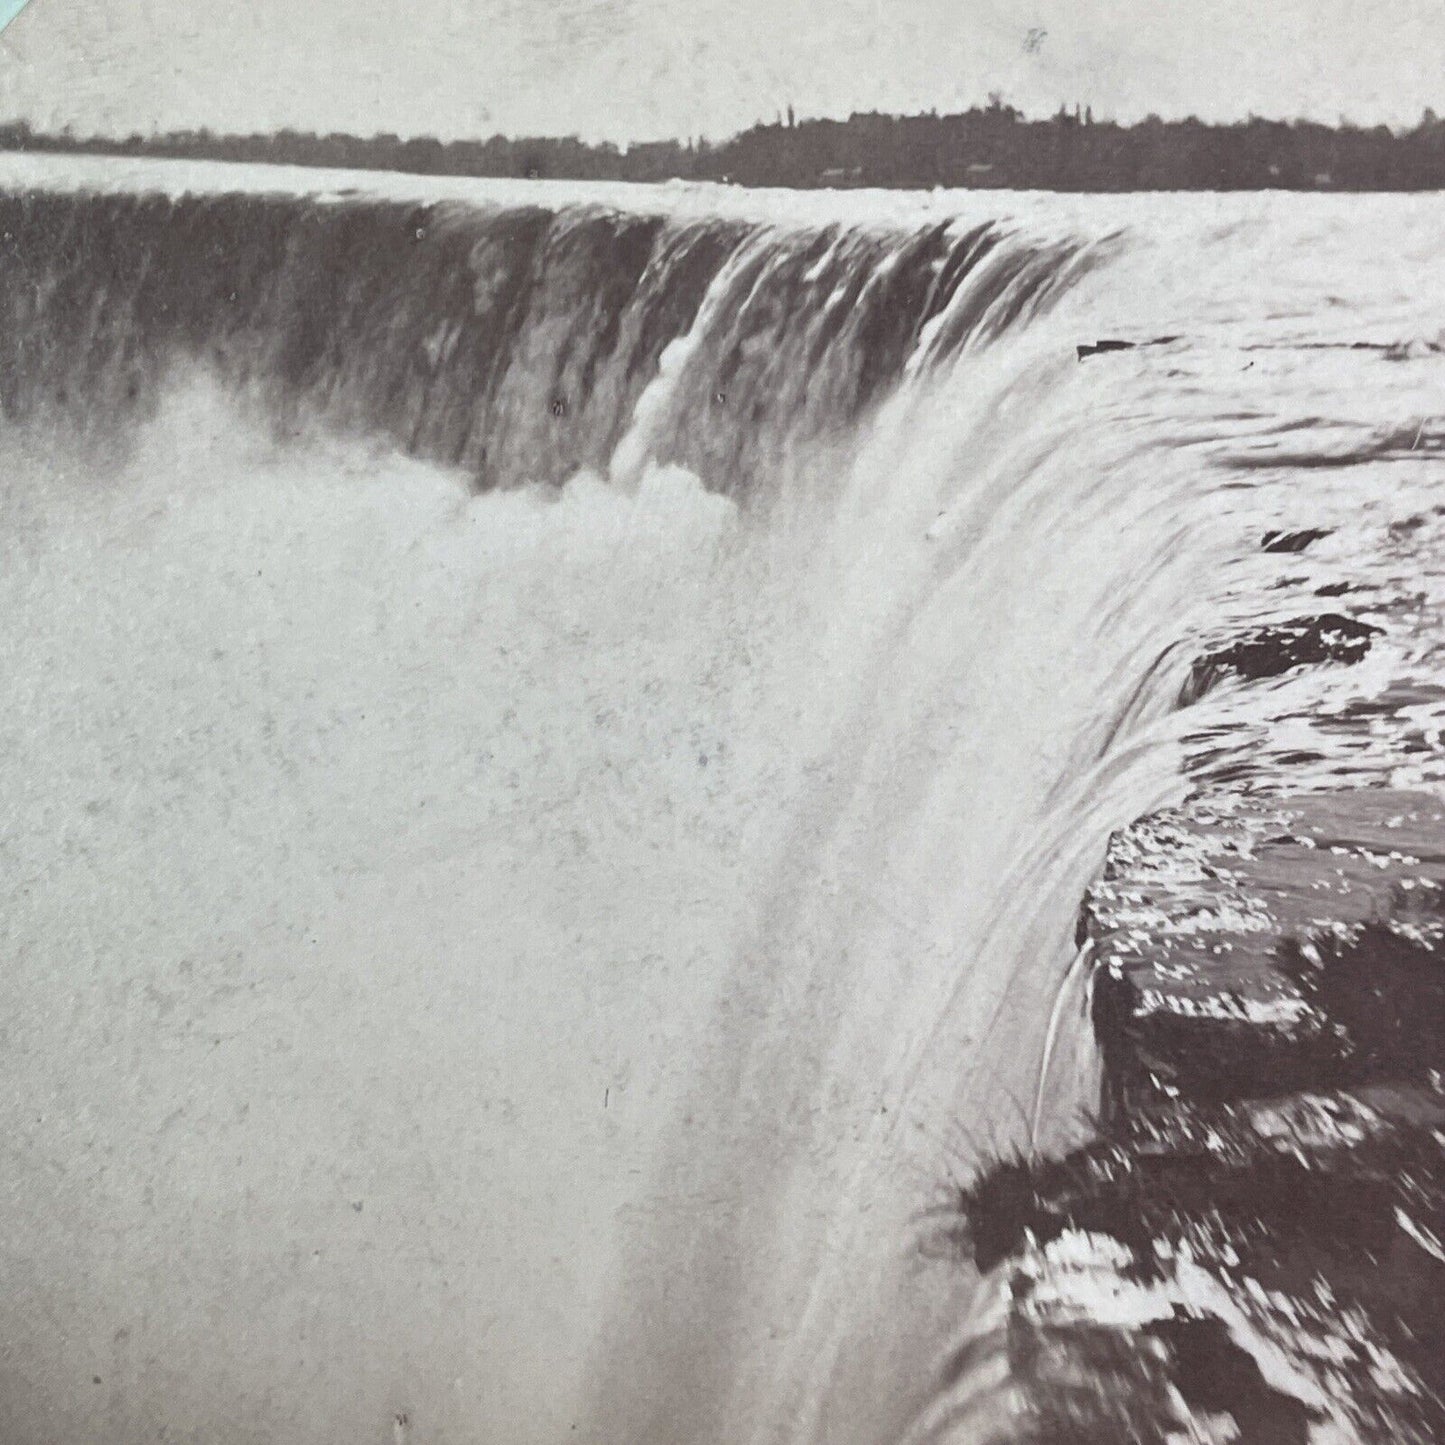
(724, 722)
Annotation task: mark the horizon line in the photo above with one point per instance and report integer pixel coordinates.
(783, 120)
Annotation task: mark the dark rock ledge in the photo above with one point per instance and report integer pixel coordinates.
(1253, 1249)
(1274, 650)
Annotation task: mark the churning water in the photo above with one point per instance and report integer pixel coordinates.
(555, 741)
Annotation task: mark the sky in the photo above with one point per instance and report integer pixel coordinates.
(644, 69)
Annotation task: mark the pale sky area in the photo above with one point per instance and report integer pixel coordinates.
(639, 69)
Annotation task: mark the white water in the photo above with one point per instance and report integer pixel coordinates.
(534, 962)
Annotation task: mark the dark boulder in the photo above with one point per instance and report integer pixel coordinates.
(1292, 541)
(1274, 650)
(1086, 349)
(1097, 347)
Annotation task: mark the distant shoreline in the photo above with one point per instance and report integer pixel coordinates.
(988, 148)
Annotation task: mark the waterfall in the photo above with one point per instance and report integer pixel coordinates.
(556, 752)
(512, 342)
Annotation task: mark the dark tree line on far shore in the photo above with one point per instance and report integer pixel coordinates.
(988, 146)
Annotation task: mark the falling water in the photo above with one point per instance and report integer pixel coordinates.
(556, 742)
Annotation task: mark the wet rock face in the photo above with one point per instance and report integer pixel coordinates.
(1247, 1272)
(1275, 650)
(1105, 345)
(1292, 541)
(1382, 992)
(1213, 924)
(1253, 1249)
(1102, 347)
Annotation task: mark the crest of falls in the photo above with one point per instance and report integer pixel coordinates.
(555, 745)
(519, 344)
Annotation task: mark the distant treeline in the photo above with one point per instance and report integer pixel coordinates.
(990, 146)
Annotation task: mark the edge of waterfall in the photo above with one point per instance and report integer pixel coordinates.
(1251, 1248)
